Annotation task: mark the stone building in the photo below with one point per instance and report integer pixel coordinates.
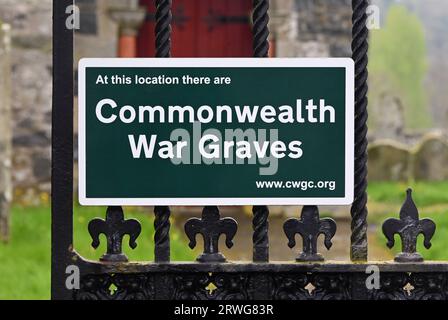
(299, 28)
(30, 22)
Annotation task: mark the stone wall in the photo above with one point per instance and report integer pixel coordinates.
(5, 131)
(30, 21)
(31, 62)
(312, 28)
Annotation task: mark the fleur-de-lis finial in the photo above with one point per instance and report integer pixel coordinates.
(310, 226)
(211, 226)
(409, 227)
(114, 228)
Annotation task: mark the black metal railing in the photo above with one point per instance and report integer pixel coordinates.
(211, 277)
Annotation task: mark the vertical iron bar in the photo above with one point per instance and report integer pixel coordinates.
(163, 28)
(360, 33)
(260, 238)
(260, 222)
(163, 50)
(62, 151)
(162, 234)
(260, 28)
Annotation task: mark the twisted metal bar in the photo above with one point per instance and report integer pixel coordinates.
(260, 222)
(163, 28)
(260, 238)
(163, 50)
(162, 234)
(358, 210)
(260, 28)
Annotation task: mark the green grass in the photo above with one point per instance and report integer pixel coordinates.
(25, 261)
(424, 193)
(431, 198)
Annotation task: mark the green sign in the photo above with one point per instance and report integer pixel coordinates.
(216, 131)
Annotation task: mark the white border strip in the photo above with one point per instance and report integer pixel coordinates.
(346, 63)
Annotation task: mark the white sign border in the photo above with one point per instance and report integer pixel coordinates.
(346, 63)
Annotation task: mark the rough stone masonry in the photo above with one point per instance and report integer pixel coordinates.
(30, 22)
(5, 132)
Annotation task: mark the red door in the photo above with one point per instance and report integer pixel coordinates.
(202, 28)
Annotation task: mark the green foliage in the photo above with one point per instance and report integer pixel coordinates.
(398, 64)
(25, 261)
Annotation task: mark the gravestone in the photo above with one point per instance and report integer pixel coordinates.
(430, 159)
(5, 132)
(388, 161)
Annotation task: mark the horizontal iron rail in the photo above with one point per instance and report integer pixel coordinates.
(94, 267)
